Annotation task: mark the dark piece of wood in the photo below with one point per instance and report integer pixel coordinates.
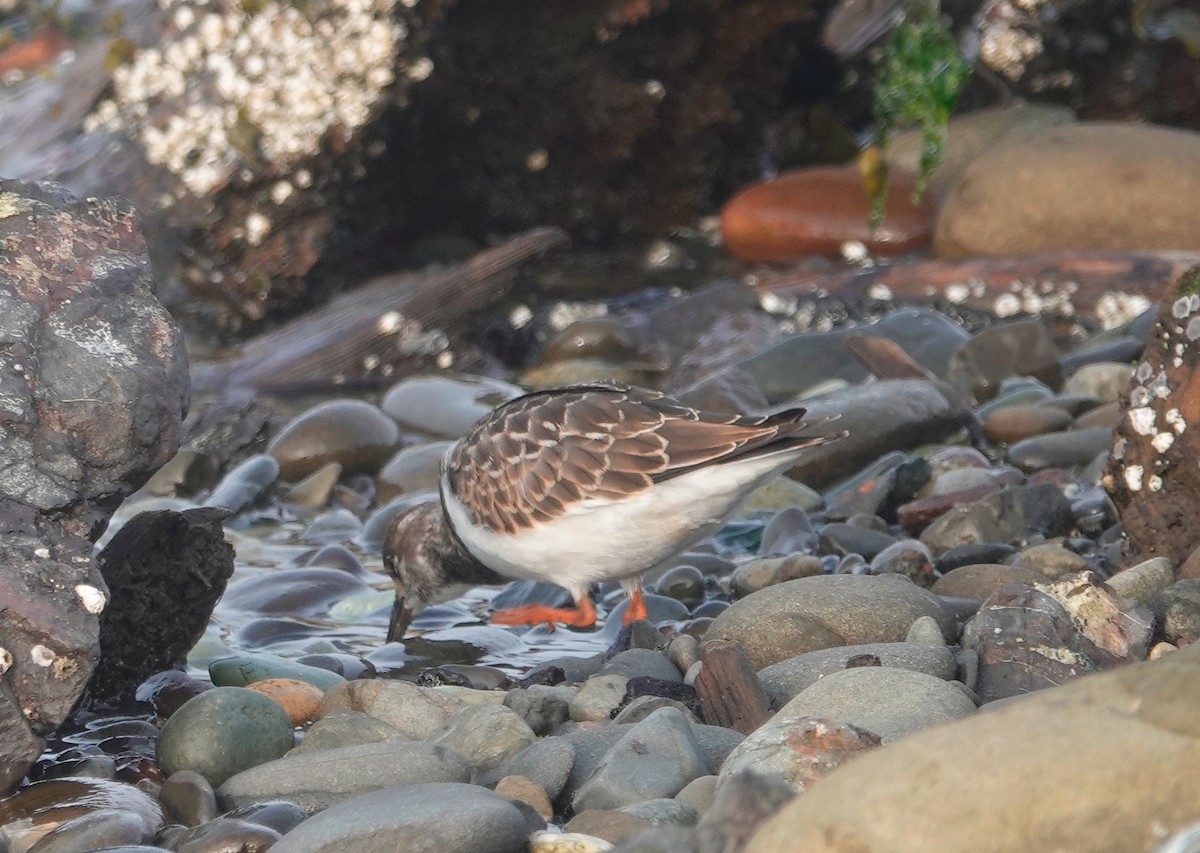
(1153, 476)
(730, 692)
(1051, 283)
(381, 331)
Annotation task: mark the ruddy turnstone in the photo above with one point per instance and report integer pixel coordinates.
(580, 485)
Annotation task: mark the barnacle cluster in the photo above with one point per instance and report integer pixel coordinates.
(253, 85)
(1010, 35)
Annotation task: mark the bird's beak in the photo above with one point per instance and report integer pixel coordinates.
(402, 614)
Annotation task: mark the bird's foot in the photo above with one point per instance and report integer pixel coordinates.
(637, 606)
(583, 615)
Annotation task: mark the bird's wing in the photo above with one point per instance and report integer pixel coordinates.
(537, 457)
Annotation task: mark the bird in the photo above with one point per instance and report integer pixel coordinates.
(583, 484)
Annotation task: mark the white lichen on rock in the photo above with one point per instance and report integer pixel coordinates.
(234, 88)
(1115, 308)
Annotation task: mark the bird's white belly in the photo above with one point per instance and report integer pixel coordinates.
(612, 540)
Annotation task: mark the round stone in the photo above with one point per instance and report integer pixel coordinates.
(815, 211)
(445, 406)
(224, 731)
(356, 435)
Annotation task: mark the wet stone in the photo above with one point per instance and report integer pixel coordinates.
(1014, 423)
(908, 557)
(1061, 449)
(814, 211)
(1177, 612)
(1019, 348)
(766, 571)
(414, 470)
(316, 780)
(485, 735)
(224, 833)
(222, 732)
(979, 581)
(642, 662)
(415, 711)
(1051, 560)
(842, 538)
(243, 670)
(683, 583)
(1108, 381)
(356, 435)
(188, 798)
(1011, 515)
(795, 750)
(824, 611)
(445, 406)
(598, 697)
(546, 761)
(784, 680)
(446, 817)
(542, 707)
(788, 532)
(94, 831)
(663, 812)
(26, 812)
(654, 758)
(526, 791)
(299, 699)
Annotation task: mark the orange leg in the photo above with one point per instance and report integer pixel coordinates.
(583, 615)
(637, 605)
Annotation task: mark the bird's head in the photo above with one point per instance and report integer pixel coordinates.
(414, 555)
(422, 555)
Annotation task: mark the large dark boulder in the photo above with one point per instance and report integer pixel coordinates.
(93, 390)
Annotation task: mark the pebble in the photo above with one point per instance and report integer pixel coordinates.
(814, 211)
(416, 712)
(763, 572)
(526, 791)
(299, 699)
(547, 761)
(1014, 423)
(1107, 381)
(445, 817)
(1094, 752)
(222, 732)
(28, 812)
(981, 580)
(445, 406)
(784, 680)
(567, 842)
(1177, 612)
(925, 630)
(970, 134)
(1142, 582)
(653, 759)
(886, 701)
(485, 735)
(699, 793)
(641, 662)
(1037, 636)
(683, 583)
(1093, 185)
(796, 749)
(188, 798)
(1008, 516)
(1017, 348)
(608, 338)
(663, 812)
(598, 696)
(1051, 560)
(830, 610)
(1060, 449)
(225, 834)
(610, 825)
(542, 707)
(316, 780)
(242, 671)
(346, 728)
(352, 433)
(93, 831)
(782, 493)
(412, 471)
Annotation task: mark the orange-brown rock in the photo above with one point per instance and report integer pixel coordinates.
(1013, 423)
(298, 698)
(814, 211)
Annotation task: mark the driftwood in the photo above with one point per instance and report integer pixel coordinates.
(1153, 475)
(1101, 284)
(730, 692)
(395, 324)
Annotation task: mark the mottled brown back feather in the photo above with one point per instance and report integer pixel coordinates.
(535, 457)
